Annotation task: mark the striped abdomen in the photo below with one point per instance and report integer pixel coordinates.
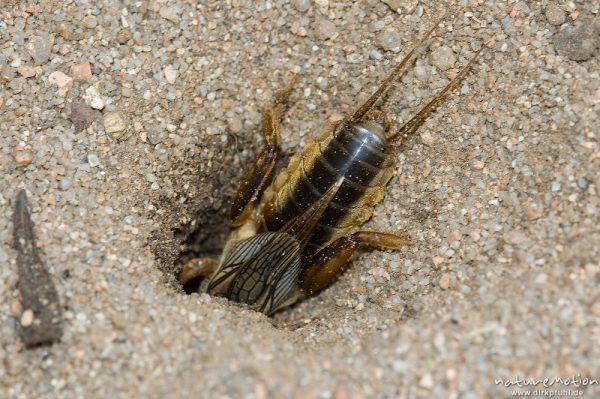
(356, 153)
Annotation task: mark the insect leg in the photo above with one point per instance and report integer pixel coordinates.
(324, 267)
(197, 267)
(416, 121)
(259, 176)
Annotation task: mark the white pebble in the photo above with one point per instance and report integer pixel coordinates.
(170, 74)
(426, 138)
(27, 318)
(93, 160)
(97, 103)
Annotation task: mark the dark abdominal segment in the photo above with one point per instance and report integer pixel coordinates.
(356, 153)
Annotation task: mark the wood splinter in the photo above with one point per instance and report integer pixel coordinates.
(41, 320)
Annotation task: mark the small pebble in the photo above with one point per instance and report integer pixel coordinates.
(171, 127)
(82, 70)
(438, 260)
(478, 165)
(426, 170)
(426, 381)
(23, 156)
(443, 58)
(169, 13)
(123, 36)
(406, 6)
(302, 5)
(155, 134)
(40, 47)
(394, 4)
(151, 177)
(89, 21)
(15, 363)
(515, 237)
(533, 211)
(65, 183)
(388, 40)
(93, 160)
(27, 71)
(81, 115)
(113, 123)
(325, 30)
(59, 79)
(64, 30)
(426, 138)
(97, 103)
(323, 83)
(376, 26)
(444, 281)
(454, 236)
(375, 55)
(555, 15)
(322, 5)
(578, 43)
(353, 58)
(27, 318)
(170, 74)
(235, 124)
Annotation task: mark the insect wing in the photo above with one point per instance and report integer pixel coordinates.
(261, 271)
(281, 286)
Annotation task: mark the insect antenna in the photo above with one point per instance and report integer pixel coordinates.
(416, 121)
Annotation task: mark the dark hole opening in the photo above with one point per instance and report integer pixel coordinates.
(205, 236)
(193, 285)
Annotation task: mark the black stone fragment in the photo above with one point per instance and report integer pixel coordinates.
(37, 291)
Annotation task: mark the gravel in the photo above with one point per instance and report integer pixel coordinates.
(555, 15)
(498, 190)
(114, 123)
(325, 30)
(388, 40)
(579, 42)
(443, 57)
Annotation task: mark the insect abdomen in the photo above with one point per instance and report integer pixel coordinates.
(357, 153)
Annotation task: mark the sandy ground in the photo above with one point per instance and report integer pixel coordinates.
(129, 124)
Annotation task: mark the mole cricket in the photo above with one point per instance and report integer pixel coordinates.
(294, 230)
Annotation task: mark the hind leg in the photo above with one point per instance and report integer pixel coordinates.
(326, 265)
